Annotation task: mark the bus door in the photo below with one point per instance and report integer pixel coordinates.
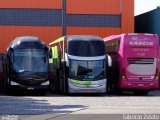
(53, 68)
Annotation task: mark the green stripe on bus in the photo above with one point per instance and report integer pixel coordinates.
(77, 82)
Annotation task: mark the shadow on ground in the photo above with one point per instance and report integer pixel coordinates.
(28, 106)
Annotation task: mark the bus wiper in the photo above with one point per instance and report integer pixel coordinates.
(31, 73)
(37, 74)
(22, 71)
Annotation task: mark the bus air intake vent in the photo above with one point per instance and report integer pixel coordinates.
(140, 60)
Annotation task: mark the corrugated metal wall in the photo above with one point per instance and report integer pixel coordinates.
(51, 19)
(35, 4)
(93, 7)
(29, 17)
(148, 22)
(100, 17)
(127, 16)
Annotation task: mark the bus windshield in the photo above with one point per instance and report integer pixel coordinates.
(87, 70)
(86, 48)
(29, 60)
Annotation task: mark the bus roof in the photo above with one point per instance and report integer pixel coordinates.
(127, 34)
(57, 40)
(135, 39)
(85, 46)
(26, 41)
(84, 37)
(77, 37)
(112, 37)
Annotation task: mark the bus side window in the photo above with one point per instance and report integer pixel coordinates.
(50, 52)
(117, 46)
(113, 45)
(55, 57)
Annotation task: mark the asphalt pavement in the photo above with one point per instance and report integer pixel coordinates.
(86, 107)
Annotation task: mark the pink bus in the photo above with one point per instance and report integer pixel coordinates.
(134, 62)
(159, 63)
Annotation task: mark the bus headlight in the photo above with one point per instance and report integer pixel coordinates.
(103, 82)
(45, 83)
(14, 83)
(157, 78)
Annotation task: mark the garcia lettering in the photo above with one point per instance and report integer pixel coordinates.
(141, 43)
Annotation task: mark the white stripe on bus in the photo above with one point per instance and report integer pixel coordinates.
(87, 58)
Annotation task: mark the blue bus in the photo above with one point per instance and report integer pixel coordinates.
(27, 64)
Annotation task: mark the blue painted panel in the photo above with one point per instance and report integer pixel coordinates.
(30, 17)
(93, 20)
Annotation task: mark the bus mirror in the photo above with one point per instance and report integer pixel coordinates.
(66, 59)
(10, 53)
(50, 52)
(109, 60)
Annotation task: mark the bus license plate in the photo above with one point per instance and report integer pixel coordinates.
(87, 90)
(30, 88)
(140, 84)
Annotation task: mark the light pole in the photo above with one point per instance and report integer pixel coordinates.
(63, 17)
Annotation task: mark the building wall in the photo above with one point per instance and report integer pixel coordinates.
(51, 19)
(100, 17)
(148, 22)
(29, 18)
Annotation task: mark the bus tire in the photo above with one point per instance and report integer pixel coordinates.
(42, 92)
(8, 90)
(66, 89)
(56, 83)
(141, 93)
(61, 83)
(65, 85)
(112, 89)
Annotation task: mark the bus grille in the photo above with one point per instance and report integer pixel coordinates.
(140, 60)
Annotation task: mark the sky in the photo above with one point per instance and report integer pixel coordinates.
(142, 6)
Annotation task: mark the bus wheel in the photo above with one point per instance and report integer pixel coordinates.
(61, 82)
(8, 90)
(56, 82)
(65, 85)
(141, 92)
(112, 89)
(42, 92)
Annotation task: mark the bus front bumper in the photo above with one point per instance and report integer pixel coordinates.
(153, 85)
(28, 88)
(15, 87)
(94, 87)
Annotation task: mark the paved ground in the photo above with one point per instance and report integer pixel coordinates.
(60, 107)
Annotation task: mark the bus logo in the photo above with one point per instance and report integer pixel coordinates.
(141, 43)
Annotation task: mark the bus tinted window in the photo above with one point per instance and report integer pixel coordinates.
(113, 46)
(86, 48)
(87, 70)
(30, 60)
